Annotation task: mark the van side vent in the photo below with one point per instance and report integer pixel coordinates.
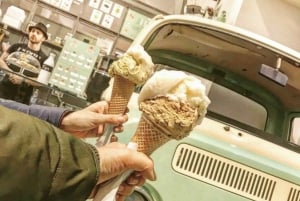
(294, 194)
(231, 176)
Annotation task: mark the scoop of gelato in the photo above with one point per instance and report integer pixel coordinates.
(179, 87)
(172, 118)
(135, 65)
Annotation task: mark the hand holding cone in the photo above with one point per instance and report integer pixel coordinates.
(132, 69)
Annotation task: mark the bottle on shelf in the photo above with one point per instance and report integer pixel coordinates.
(2, 75)
(34, 97)
(46, 70)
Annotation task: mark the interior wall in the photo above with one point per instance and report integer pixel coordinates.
(169, 6)
(275, 19)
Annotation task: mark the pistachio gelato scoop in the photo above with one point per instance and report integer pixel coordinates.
(135, 65)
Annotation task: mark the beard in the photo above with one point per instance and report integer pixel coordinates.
(34, 40)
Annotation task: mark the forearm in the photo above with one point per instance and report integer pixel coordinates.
(52, 115)
(32, 82)
(4, 66)
(48, 163)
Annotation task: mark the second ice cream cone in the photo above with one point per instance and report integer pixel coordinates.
(148, 137)
(172, 104)
(121, 93)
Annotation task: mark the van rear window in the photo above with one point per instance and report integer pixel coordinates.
(235, 106)
(295, 134)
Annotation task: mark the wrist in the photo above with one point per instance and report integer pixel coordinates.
(63, 121)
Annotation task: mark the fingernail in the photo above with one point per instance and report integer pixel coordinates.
(137, 174)
(133, 182)
(121, 188)
(120, 118)
(153, 176)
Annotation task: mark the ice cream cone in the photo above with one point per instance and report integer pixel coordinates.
(148, 137)
(163, 119)
(132, 69)
(121, 93)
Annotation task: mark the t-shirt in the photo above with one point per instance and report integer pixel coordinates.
(21, 47)
(23, 92)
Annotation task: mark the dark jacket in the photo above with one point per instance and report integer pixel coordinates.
(39, 162)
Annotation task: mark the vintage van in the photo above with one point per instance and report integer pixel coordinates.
(247, 147)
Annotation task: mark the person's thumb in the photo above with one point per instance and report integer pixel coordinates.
(111, 119)
(143, 164)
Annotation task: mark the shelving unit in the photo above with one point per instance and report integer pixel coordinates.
(98, 25)
(79, 21)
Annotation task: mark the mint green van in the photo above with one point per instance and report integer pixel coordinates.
(247, 147)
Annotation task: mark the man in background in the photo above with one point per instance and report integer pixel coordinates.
(15, 87)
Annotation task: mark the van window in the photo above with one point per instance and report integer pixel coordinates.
(295, 135)
(235, 106)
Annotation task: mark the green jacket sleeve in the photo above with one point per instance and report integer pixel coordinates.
(39, 162)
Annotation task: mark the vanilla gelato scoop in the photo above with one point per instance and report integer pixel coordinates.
(135, 65)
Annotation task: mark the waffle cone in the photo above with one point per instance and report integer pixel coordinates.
(148, 137)
(121, 93)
